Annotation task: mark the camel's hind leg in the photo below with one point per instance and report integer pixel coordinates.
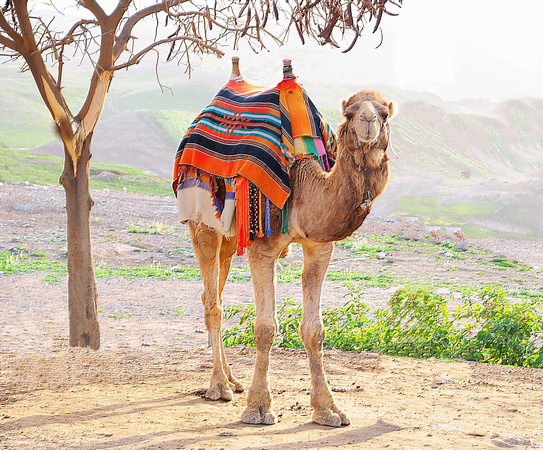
(316, 260)
(228, 247)
(214, 255)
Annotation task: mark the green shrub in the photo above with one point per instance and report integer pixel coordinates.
(413, 324)
(485, 327)
(502, 332)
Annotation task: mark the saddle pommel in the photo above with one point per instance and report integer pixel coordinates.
(287, 68)
(236, 74)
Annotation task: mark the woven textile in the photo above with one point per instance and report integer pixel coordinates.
(249, 131)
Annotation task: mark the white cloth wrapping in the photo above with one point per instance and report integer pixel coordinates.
(195, 202)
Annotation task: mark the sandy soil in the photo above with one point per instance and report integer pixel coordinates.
(143, 388)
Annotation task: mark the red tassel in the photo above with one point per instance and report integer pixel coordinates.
(242, 214)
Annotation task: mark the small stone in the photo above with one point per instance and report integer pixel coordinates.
(462, 246)
(502, 444)
(516, 440)
(226, 433)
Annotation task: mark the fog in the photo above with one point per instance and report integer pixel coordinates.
(486, 48)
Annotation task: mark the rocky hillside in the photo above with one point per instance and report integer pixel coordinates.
(472, 164)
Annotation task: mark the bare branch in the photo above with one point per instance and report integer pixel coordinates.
(10, 31)
(125, 34)
(7, 42)
(95, 9)
(119, 11)
(69, 37)
(135, 59)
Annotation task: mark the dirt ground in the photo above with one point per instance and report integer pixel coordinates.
(143, 388)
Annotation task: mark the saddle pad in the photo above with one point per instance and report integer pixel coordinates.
(249, 131)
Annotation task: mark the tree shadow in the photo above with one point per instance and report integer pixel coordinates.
(85, 415)
(349, 436)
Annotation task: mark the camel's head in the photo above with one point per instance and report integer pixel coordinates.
(367, 114)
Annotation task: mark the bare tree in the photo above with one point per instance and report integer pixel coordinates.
(110, 42)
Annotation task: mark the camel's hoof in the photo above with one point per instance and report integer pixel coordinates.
(236, 385)
(330, 417)
(219, 392)
(254, 416)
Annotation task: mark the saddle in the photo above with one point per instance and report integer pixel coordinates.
(235, 157)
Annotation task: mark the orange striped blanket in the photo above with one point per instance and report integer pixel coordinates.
(254, 134)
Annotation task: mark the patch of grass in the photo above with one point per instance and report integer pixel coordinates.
(289, 274)
(382, 280)
(56, 270)
(173, 124)
(431, 212)
(358, 246)
(20, 264)
(504, 263)
(151, 271)
(18, 167)
(153, 228)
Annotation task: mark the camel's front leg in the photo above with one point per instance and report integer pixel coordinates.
(316, 261)
(207, 246)
(262, 259)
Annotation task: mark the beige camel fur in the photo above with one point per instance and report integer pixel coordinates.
(323, 207)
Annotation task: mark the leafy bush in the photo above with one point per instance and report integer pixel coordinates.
(501, 332)
(485, 327)
(414, 324)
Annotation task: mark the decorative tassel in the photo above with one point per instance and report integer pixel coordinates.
(326, 163)
(242, 214)
(254, 211)
(268, 218)
(260, 224)
(284, 219)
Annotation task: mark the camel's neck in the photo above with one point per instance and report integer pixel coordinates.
(327, 207)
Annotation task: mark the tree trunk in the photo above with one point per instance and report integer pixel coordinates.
(82, 291)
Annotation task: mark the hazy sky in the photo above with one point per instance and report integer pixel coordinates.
(456, 49)
(466, 48)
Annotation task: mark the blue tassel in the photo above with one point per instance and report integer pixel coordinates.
(267, 230)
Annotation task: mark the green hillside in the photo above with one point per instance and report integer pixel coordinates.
(473, 164)
(16, 167)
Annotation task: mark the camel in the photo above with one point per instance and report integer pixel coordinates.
(323, 207)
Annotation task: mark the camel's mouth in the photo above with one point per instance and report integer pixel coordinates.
(367, 139)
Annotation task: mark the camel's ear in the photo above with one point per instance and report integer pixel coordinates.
(391, 110)
(350, 111)
(343, 104)
(387, 111)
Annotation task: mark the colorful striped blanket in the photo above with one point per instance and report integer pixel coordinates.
(249, 137)
(250, 131)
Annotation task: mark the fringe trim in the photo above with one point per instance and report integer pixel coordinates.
(284, 219)
(242, 214)
(269, 230)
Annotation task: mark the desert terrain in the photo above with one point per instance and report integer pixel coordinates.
(144, 388)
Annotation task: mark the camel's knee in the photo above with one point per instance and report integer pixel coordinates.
(265, 335)
(212, 315)
(312, 334)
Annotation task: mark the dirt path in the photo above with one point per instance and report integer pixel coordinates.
(139, 398)
(143, 388)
